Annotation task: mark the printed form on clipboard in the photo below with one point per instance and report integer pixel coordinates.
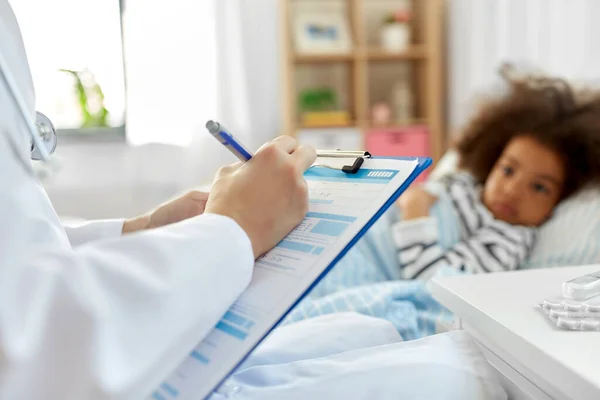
(341, 208)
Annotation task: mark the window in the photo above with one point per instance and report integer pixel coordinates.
(75, 53)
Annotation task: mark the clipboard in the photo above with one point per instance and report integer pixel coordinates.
(345, 167)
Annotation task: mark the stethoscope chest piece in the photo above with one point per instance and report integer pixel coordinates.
(47, 133)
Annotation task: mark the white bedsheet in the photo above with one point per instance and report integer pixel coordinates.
(351, 356)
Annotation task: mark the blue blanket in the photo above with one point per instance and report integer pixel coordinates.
(406, 304)
(368, 281)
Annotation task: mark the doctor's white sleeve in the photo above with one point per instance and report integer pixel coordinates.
(109, 318)
(87, 231)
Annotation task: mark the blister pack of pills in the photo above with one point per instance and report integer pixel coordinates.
(573, 314)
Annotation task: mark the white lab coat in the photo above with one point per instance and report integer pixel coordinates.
(88, 314)
(107, 316)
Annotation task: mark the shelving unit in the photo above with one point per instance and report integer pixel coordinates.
(364, 75)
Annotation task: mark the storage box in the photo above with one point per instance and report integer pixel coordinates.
(406, 141)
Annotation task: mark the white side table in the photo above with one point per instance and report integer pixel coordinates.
(534, 358)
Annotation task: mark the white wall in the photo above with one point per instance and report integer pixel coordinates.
(560, 37)
(113, 179)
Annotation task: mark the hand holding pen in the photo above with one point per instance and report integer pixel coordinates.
(267, 195)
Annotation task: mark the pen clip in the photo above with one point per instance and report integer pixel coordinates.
(343, 153)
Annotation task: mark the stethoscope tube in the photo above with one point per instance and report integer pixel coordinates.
(43, 134)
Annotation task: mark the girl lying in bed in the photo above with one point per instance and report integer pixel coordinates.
(520, 156)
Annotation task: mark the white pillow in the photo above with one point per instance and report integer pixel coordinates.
(570, 237)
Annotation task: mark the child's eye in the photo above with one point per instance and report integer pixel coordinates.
(508, 171)
(539, 188)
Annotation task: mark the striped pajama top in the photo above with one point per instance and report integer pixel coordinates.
(486, 244)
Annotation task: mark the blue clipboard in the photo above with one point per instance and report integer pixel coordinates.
(423, 164)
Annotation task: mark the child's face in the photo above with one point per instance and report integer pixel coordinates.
(525, 183)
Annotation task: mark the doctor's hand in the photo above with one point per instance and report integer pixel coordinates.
(187, 206)
(267, 196)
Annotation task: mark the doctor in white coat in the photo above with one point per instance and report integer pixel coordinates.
(97, 310)
(102, 310)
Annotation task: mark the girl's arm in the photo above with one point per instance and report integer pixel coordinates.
(496, 246)
(415, 203)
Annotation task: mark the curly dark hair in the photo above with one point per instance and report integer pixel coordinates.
(547, 109)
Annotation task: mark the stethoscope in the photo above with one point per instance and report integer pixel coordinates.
(42, 132)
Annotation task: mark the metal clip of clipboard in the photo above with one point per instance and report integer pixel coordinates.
(359, 156)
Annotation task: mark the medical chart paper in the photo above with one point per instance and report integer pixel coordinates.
(340, 206)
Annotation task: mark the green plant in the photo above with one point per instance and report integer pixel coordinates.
(317, 99)
(90, 99)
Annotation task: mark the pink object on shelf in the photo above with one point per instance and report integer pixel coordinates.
(407, 141)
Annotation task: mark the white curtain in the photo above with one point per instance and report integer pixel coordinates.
(560, 37)
(188, 61)
(249, 68)
(170, 69)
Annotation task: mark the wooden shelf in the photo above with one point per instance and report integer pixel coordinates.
(365, 125)
(350, 125)
(414, 53)
(322, 58)
(415, 122)
(367, 68)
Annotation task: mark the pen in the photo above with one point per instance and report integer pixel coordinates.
(228, 140)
